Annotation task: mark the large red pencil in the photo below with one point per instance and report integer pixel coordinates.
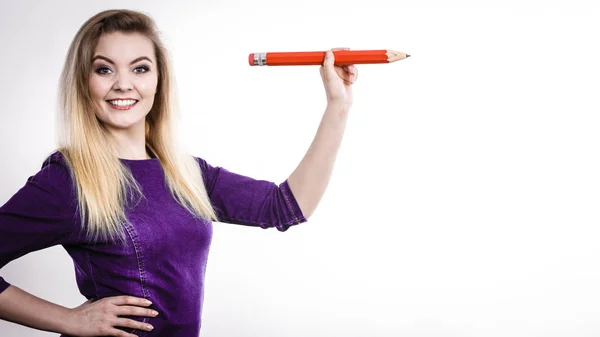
(342, 57)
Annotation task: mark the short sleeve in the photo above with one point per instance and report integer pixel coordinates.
(243, 200)
(39, 215)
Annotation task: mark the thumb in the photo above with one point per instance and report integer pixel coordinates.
(328, 63)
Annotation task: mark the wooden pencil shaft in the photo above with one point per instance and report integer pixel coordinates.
(342, 57)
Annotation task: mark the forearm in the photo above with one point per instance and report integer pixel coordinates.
(309, 180)
(20, 307)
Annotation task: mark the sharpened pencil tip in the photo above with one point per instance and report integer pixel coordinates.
(407, 55)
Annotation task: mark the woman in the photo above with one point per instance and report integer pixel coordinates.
(130, 207)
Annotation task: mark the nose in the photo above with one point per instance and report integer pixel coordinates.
(122, 83)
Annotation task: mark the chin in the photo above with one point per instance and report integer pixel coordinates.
(122, 124)
(122, 120)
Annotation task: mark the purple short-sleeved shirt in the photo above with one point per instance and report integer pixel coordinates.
(164, 257)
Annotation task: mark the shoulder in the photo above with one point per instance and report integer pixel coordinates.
(209, 173)
(57, 162)
(207, 169)
(204, 165)
(56, 158)
(54, 172)
(49, 190)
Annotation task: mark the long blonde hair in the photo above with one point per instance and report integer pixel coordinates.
(103, 182)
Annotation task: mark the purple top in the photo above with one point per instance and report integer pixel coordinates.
(164, 258)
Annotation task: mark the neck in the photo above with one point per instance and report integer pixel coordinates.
(130, 143)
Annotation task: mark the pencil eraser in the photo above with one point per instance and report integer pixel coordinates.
(251, 59)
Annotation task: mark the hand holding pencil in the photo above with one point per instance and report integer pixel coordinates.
(337, 80)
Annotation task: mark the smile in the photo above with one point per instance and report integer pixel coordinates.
(122, 104)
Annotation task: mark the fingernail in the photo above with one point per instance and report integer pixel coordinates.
(147, 301)
(154, 313)
(150, 327)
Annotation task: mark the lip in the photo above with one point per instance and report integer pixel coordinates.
(116, 107)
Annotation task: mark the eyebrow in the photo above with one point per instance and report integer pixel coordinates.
(111, 61)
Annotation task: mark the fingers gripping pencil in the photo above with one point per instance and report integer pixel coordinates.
(342, 57)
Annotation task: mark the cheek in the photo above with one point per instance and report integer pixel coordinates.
(148, 87)
(98, 88)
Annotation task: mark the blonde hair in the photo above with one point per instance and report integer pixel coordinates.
(103, 182)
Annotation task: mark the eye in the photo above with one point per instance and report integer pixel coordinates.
(102, 70)
(141, 69)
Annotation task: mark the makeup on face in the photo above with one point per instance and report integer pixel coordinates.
(123, 79)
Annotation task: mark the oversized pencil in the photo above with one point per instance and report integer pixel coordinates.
(342, 57)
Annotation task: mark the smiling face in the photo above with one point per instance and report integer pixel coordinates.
(123, 80)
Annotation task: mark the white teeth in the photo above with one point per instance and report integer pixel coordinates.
(122, 102)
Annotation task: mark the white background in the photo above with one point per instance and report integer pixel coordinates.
(464, 201)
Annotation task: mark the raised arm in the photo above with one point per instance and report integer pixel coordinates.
(309, 180)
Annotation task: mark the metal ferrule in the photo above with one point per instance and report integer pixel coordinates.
(260, 59)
